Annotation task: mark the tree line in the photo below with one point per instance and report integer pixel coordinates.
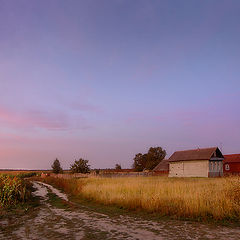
(141, 162)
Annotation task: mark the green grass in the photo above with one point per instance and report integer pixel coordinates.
(57, 202)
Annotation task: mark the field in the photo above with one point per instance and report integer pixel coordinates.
(16, 172)
(111, 205)
(55, 218)
(203, 199)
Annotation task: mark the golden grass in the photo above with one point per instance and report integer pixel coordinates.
(214, 198)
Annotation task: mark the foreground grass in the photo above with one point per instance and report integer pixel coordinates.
(205, 199)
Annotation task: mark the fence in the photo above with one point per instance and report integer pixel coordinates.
(109, 174)
(69, 176)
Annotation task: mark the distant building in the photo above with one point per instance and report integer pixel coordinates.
(205, 162)
(231, 164)
(162, 168)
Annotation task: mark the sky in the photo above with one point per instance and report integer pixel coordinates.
(105, 80)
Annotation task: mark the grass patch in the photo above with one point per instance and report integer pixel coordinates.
(57, 202)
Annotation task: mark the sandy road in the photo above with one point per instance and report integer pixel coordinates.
(50, 222)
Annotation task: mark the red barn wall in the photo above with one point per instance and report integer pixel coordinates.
(234, 168)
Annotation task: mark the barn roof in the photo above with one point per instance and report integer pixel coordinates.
(195, 154)
(231, 158)
(162, 166)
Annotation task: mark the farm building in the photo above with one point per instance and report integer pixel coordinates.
(231, 164)
(205, 162)
(162, 168)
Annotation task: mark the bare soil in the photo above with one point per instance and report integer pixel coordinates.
(57, 218)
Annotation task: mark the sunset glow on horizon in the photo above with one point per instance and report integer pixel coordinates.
(104, 80)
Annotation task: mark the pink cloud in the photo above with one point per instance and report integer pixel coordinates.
(136, 117)
(41, 119)
(85, 107)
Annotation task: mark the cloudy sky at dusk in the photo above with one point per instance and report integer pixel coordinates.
(104, 80)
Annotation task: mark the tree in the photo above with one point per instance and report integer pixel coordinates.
(150, 160)
(139, 163)
(118, 166)
(56, 167)
(80, 166)
(154, 156)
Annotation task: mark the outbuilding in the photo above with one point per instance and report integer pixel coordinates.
(231, 164)
(162, 168)
(204, 162)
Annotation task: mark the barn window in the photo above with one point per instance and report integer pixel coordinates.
(227, 167)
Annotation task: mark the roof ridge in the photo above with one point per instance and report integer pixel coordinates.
(193, 154)
(196, 149)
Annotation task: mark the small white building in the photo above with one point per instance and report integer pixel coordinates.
(205, 162)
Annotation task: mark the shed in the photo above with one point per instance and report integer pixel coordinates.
(204, 162)
(162, 168)
(231, 164)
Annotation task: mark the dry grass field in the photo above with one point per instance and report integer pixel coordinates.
(194, 198)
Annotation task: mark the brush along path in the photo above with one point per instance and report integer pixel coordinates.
(61, 221)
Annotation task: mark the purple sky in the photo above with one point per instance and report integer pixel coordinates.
(104, 80)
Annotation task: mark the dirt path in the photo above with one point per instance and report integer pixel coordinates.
(51, 222)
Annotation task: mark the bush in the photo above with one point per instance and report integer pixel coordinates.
(118, 166)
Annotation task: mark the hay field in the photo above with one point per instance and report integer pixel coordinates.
(195, 198)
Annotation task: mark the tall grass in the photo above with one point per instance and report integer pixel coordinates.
(12, 191)
(217, 198)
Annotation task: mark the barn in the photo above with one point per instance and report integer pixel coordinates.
(204, 162)
(231, 164)
(162, 168)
